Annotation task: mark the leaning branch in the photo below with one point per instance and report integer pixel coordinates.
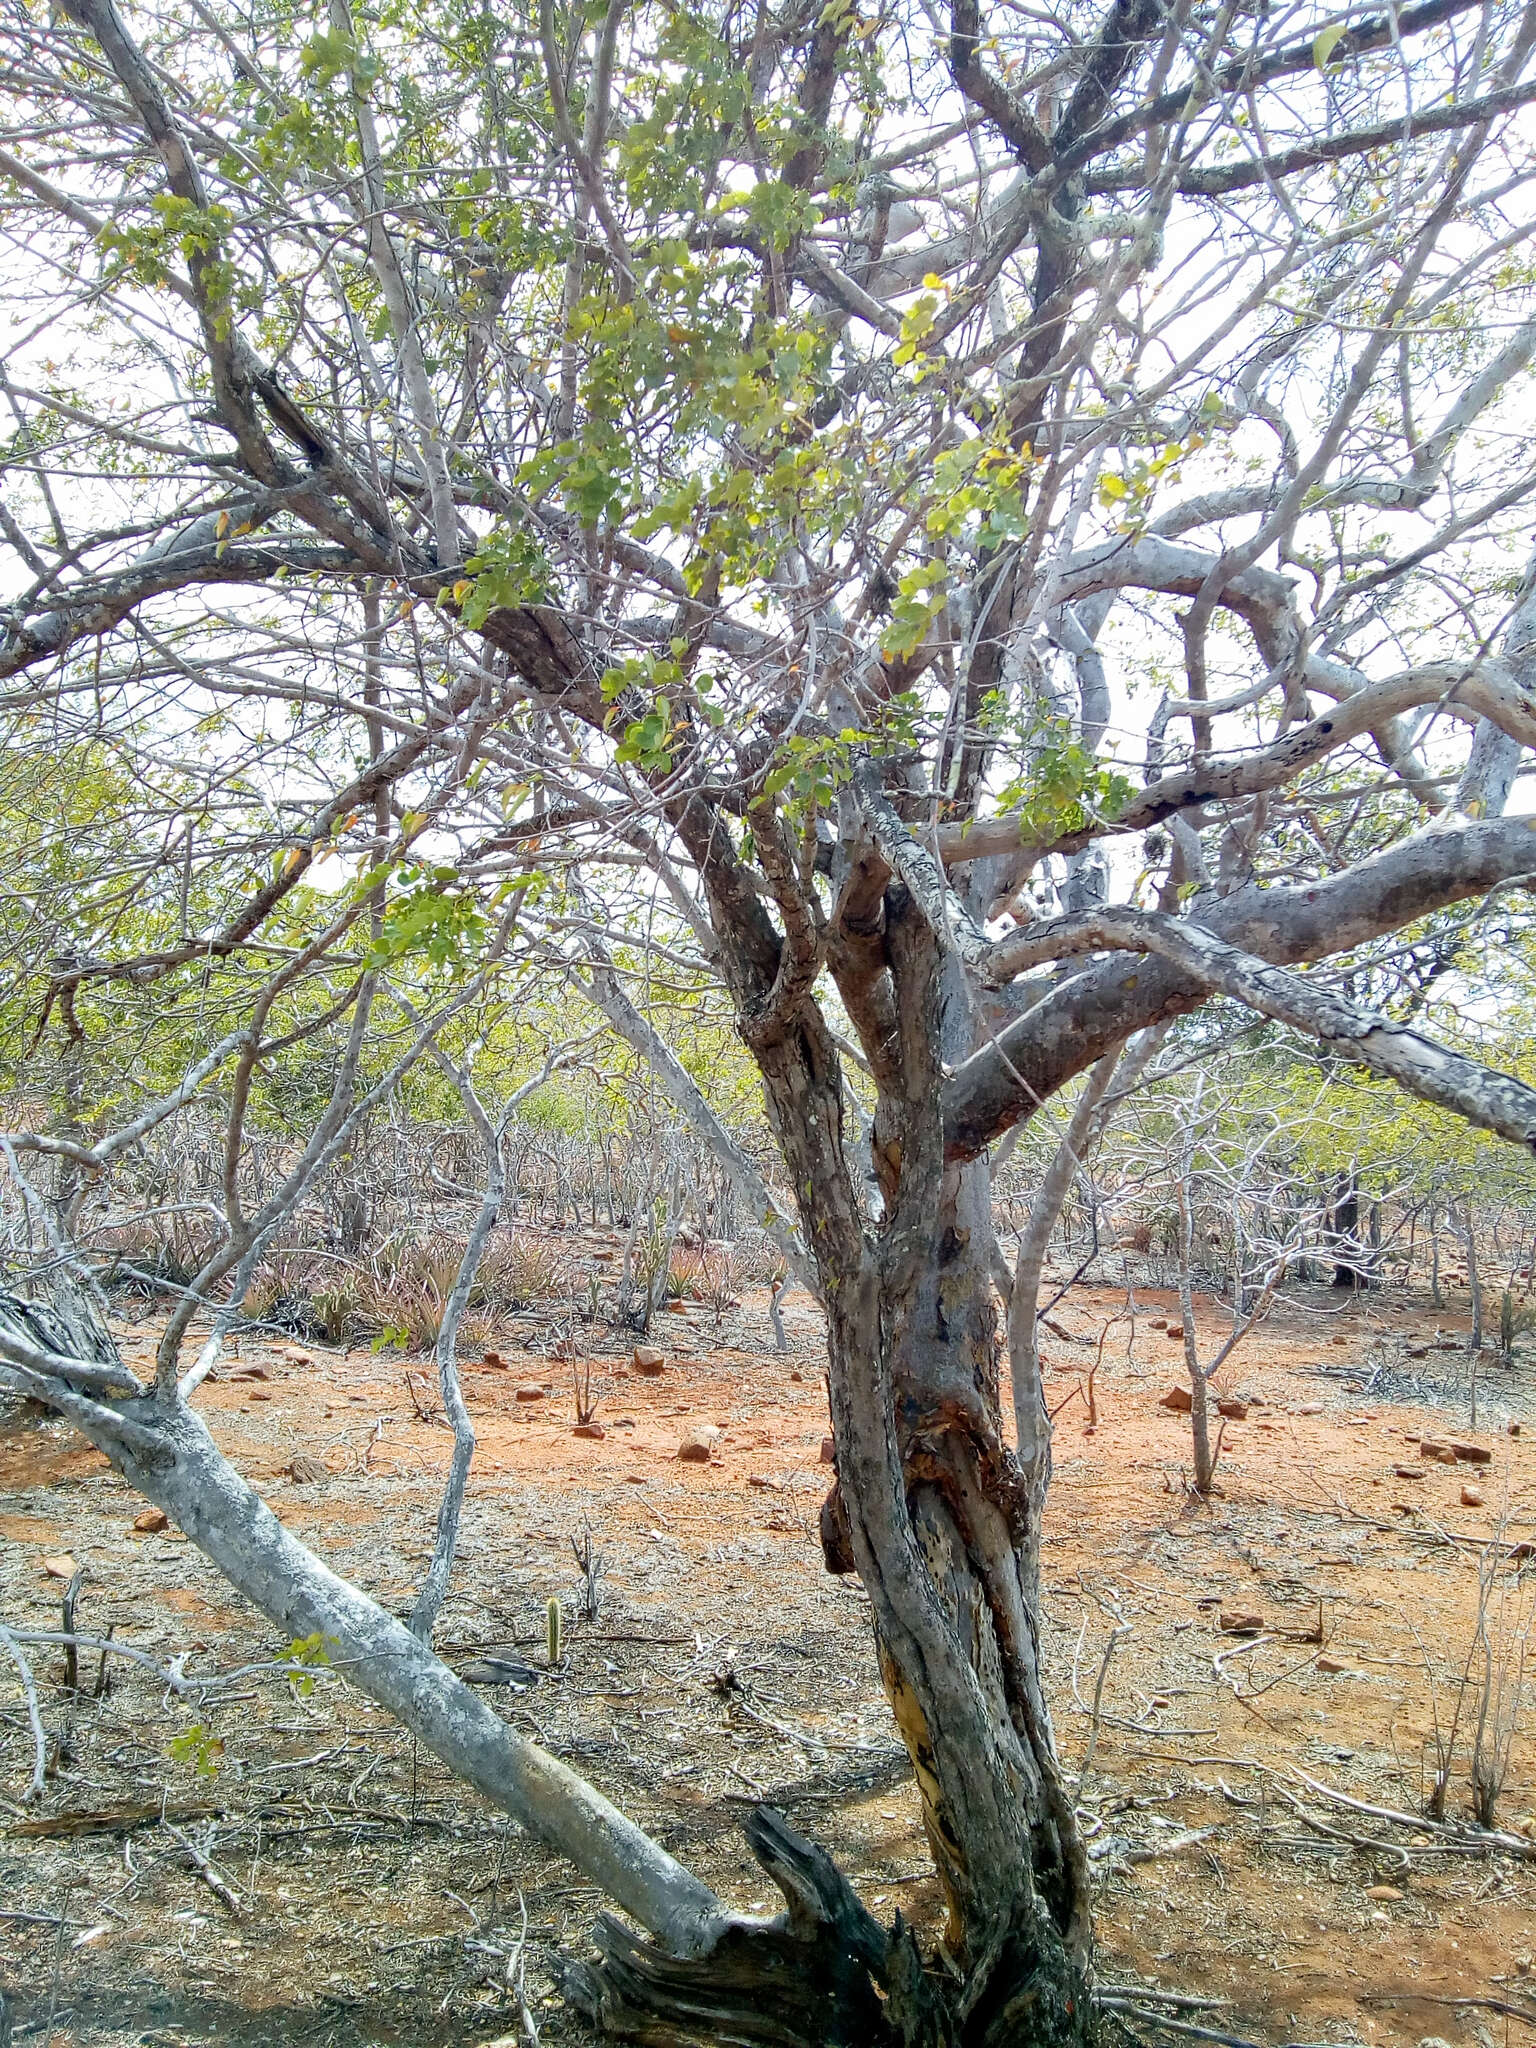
(605, 991)
(1056, 1032)
(1495, 1102)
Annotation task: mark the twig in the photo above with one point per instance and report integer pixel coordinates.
(1157, 1996)
(1502, 2006)
(67, 1615)
(39, 1739)
(222, 1891)
(1159, 2019)
(517, 1977)
(1121, 1629)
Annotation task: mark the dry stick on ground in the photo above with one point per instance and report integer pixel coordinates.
(29, 1690)
(222, 1890)
(1454, 1837)
(1120, 1629)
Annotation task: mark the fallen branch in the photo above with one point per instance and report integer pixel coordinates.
(222, 1890)
(39, 1739)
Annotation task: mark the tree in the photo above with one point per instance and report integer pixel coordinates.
(764, 493)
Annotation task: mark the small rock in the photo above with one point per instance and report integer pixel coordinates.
(1233, 1409)
(1310, 1408)
(1471, 1496)
(151, 1522)
(1437, 1453)
(251, 1372)
(61, 1567)
(593, 1432)
(510, 1671)
(1331, 1666)
(828, 1450)
(1158, 1323)
(1514, 1429)
(1472, 1454)
(1407, 1471)
(296, 1355)
(1386, 1894)
(799, 1379)
(307, 1471)
(763, 1482)
(261, 1393)
(1236, 1621)
(648, 1361)
(529, 1393)
(1178, 1399)
(698, 1448)
(494, 1362)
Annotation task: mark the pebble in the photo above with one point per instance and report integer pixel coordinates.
(1178, 1399)
(1388, 1894)
(649, 1361)
(61, 1567)
(698, 1448)
(1471, 1497)
(151, 1522)
(529, 1393)
(593, 1432)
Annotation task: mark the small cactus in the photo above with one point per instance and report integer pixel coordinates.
(554, 1622)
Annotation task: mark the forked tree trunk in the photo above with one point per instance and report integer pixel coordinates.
(932, 1510)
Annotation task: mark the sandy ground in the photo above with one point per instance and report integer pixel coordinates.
(371, 1899)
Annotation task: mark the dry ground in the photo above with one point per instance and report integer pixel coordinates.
(376, 1901)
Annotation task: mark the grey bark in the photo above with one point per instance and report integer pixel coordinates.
(163, 1449)
(1068, 1026)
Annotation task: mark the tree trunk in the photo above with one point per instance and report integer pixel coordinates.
(939, 1526)
(1344, 1228)
(1474, 1279)
(1199, 1404)
(932, 1510)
